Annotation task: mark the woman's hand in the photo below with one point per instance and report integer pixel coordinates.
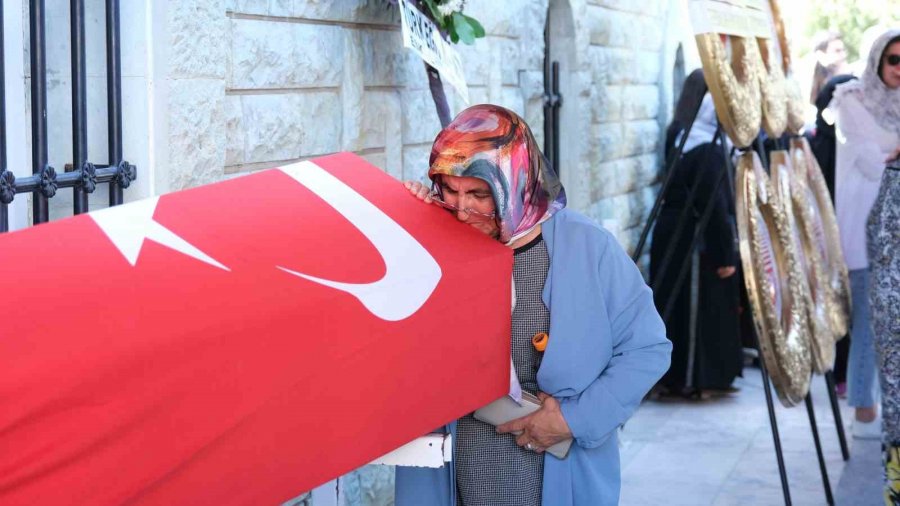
(726, 271)
(419, 190)
(541, 429)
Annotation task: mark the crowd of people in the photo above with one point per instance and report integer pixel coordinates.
(856, 140)
(608, 344)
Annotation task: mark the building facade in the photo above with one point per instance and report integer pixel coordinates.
(214, 89)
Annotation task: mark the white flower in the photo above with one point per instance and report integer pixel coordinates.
(450, 6)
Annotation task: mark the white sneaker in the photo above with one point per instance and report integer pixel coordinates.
(867, 430)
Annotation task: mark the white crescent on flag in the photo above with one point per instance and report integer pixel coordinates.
(411, 273)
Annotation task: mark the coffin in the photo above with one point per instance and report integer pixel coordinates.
(241, 342)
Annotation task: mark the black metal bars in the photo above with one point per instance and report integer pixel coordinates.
(836, 411)
(79, 109)
(773, 423)
(5, 191)
(114, 99)
(552, 103)
(45, 174)
(823, 469)
(84, 176)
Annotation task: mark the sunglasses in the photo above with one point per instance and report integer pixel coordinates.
(893, 60)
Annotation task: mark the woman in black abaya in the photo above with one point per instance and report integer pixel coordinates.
(715, 358)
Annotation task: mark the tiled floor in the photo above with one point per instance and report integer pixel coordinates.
(720, 452)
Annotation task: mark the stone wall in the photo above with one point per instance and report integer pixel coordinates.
(219, 88)
(308, 78)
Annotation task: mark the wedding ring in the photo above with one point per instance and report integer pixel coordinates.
(528, 446)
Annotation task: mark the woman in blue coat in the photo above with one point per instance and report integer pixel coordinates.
(571, 279)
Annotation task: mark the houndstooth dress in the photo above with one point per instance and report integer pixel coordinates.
(491, 470)
(883, 238)
(883, 241)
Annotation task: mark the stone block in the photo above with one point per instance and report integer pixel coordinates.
(415, 163)
(640, 137)
(510, 61)
(646, 8)
(281, 127)
(380, 119)
(606, 104)
(623, 29)
(597, 65)
(604, 180)
(620, 65)
(625, 175)
(234, 131)
(624, 210)
(387, 63)
(476, 61)
(492, 59)
(251, 6)
(358, 11)
(367, 11)
(352, 91)
(502, 18)
(612, 208)
(599, 25)
(531, 84)
(647, 169)
(281, 7)
(609, 141)
(197, 39)
(640, 102)
(270, 54)
(420, 119)
(477, 95)
(511, 98)
(611, 4)
(649, 67)
(196, 118)
(650, 32)
(322, 9)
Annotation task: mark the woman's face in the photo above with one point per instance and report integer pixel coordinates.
(471, 193)
(890, 66)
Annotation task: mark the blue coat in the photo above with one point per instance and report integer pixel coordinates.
(607, 348)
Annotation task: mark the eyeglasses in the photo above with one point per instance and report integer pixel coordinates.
(893, 60)
(476, 215)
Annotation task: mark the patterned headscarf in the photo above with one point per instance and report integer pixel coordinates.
(882, 102)
(494, 144)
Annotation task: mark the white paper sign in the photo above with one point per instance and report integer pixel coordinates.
(742, 18)
(422, 36)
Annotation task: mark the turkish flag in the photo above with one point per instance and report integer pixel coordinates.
(241, 342)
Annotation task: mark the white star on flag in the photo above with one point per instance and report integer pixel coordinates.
(127, 226)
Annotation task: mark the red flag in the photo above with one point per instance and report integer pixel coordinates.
(241, 342)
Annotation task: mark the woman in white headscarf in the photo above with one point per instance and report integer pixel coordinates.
(883, 237)
(867, 128)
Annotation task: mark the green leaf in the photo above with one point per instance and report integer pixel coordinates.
(476, 26)
(451, 30)
(462, 27)
(432, 6)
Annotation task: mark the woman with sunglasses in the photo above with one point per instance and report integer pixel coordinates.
(572, 281)
(867, 128)
(883, 238)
